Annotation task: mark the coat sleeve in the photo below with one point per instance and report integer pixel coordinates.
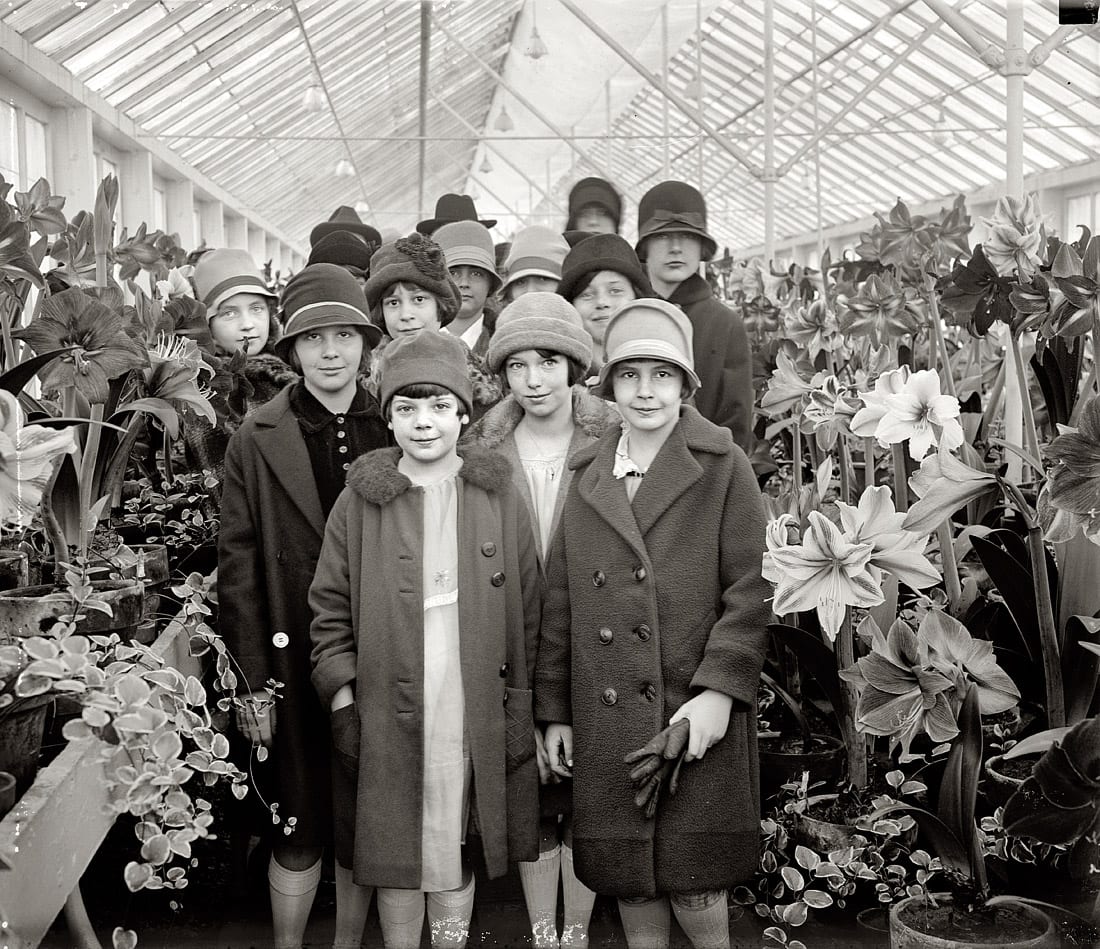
(735, 411)
(242, 583)
(553, 702)
(735, 649)
(334, 650)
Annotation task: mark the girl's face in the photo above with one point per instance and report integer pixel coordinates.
(330, 358)
(407, 308)
(473, 287)
(427, 429)
(595, 219)
(648, 393)
(532, 283)
(539, 383)
(242, 321)
(605, 293)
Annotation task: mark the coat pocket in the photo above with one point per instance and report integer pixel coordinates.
(519, 728)
(345, 738)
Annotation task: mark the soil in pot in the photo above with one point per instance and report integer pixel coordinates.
(1003, 777)
(918, 923)
(783, 759)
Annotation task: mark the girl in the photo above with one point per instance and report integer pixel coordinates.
(283, 471)
(656, 612)
(426, 611)
(471, 262)
(534, 262)
(541, 352)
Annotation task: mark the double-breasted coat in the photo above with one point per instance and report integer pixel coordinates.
(648, 604)
(272, 525)
(368, 629)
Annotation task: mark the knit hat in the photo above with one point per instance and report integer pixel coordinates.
(597, 191)
(602, 252)
(347, 219)
(344, 249)
(536, 251)
(414, 259)
(221, 273)
(674, 207)
(451, 208)
(321, 295)
(469, 244)
(539, 320)
(425, 358)
(648, 329)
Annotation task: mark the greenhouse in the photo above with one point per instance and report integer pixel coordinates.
(550, 474)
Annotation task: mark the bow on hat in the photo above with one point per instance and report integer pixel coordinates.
(691, 218)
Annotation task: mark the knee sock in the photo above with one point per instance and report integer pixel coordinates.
(705, 922)
(401, 913)
(540, 889)
(645, 924)
(449, 914)
(292, 893)
(352, 904)
(579, 900)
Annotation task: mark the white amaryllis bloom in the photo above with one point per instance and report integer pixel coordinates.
(875, 405)
(920, 414)
(1015, 238)
(27, 456)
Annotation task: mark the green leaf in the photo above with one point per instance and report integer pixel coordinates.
(959, 785)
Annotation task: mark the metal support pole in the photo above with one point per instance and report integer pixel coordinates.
(769, 176)
(699, 82)
(664, 79)
(989, 53)
(549, 191)
(817, 123)
(1015, 68)
(425, 53)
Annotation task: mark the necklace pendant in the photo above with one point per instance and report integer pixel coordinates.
(442, 578)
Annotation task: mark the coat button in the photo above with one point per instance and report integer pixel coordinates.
(609, 697)
(504, 670)
(639, 574)
(643, 632)
(497, 579)
(489, 549)
(598, 579)
(280, 640)
(606, 635)
(649, 690)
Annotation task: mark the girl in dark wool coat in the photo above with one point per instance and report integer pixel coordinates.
(283, 472)
(656, 613)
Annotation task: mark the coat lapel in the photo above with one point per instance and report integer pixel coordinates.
(606, 495)
(673, 472)
(284, 451)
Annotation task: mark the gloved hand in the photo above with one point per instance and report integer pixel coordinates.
(344, 723)
(657, 761)
(709, 715)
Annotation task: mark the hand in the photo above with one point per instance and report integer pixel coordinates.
(542, 758)
(256, 724)
(709, 716)
(559, 749)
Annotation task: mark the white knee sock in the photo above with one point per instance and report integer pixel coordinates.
(646, 925)
(292, 893)
(707, 926)
(579, 900)
(401, 913)
(449, 916)
(540, 889)
(352, 905)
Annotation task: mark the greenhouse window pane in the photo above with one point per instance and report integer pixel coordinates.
(38, 165)
(9, 144)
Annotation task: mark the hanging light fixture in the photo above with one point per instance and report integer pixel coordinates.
(536, 48)
(504, 121)
(693, 89)
(344, 169)
(361, 207)
(313, 99)
(485, 167)
(940, 133)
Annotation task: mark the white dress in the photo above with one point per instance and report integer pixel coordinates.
(543, 473)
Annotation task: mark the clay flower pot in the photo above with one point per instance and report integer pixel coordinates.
(916, 924)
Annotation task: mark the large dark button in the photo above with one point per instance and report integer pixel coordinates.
(598, 579)
(609, 697)
(643, 632)
(497, 579)
(504, 670)
(606, 635)
(639, 574)
(649, 690)
(489, 549)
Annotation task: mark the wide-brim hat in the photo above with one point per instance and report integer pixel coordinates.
(225, 272)
(598, 191)
(600, 252)
(674, 207)
(319, 296)
(469, 244)
(450, 208)
(346, 219)
(649, 328)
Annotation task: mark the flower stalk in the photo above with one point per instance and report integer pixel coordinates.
(849, 691)
(1025, 397)
(951, 580)
(901, 486)
(937, 331)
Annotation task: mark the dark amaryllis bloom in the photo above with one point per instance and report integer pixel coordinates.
(879, 310)
(101, 350)
(1080, 288)
(16, 261)
(1073, 486)
(976, 295)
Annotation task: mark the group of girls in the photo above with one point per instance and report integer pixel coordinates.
(477, 607)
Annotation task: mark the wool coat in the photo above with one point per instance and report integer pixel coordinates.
(649, 604)
(270, 538)
(368, 630)
(723, 358)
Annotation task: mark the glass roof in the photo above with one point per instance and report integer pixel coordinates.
(912, 111)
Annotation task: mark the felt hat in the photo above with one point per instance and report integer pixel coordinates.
(574, 237)
(226, 271)
(322, 295)
(450, 208)
(649, 328)
(344, 249)
(414, 259)
(422, 358)
(674, 207)
(602, 252)
(596, 191)
(536, 251)
(346, 219)
(468, 243)
(539, 320)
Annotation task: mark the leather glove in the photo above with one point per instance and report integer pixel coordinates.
(657, 762)
(345, 739)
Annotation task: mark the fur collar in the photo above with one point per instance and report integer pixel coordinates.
(698, 434)
(267, 368)
(591, 414)
(375, 477)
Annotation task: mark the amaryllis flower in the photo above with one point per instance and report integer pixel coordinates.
(957, 654)
(922, 416)
(27, 455)
(1080, 288)
(101, 349)
(975, 295)
(1073, 487)
(875, 403)
(175, 285)
(1015, 237)
(828, 411)
(789, 385)
(16, 261)
(173, 376)
(812, 327)
(944, 484)
(40, 209)
(879, 310)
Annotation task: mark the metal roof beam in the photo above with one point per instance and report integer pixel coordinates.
(65, 13)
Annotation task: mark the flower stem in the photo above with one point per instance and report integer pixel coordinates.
(1025, 397)
(796, 464)
(845, 475)
(849, 694)
(950, 567)
(901, 483)
(87, 473)
(937, 330)
(868, 462)
(1048, 630)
